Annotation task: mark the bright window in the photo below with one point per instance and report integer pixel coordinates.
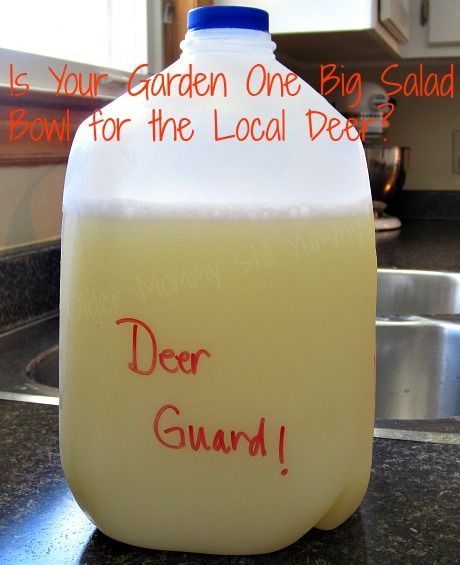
(106, 33)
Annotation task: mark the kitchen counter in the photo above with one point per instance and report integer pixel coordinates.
(410, 513)
(425, 245)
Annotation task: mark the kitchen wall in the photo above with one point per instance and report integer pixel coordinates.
(425, 124)
(30, 204)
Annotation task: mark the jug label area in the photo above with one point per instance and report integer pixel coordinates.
(168, 426)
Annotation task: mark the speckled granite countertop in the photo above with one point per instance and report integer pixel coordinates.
(411, 513)
(426, 245)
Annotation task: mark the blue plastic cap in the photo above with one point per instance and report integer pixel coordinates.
(227, 16)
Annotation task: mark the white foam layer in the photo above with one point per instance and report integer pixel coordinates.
(131, 209)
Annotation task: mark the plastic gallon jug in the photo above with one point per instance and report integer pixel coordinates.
(217, 304)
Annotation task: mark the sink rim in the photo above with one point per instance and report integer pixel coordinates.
(454, 274)
(409, 277)
(34, 362)
(441, 320)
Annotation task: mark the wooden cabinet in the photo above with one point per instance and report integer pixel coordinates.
(175, 25)
(394, 15)
(362, 30)
(444, 22)
(314, 30)
(434, 29)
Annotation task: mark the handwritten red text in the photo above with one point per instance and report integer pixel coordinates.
(172, 433)
(184, 362)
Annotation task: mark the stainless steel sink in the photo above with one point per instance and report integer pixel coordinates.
(418, 359)
(21, 352)
(406, 293)
(44, 368)
(418, 369)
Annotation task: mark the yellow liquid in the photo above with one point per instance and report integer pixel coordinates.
(285, 309)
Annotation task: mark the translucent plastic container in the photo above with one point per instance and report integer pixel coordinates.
(217, 313)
